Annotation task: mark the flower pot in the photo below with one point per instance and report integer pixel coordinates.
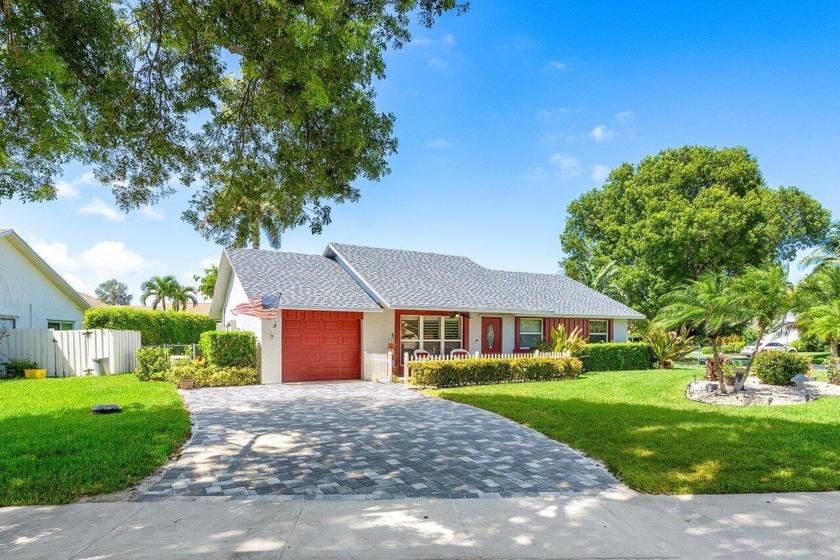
(34, 373)
(185, 383)
(729, 380)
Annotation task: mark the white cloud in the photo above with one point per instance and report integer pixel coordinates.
(56, 255)
(557, 65)
(437, 64)
(600, 173)
(551, 113)
(99, 207)
(150, 213)
(535, 176)
(568, 165)
(428, 41)
(625, 117)
(601, 133)
(438, 144)
(68, 189)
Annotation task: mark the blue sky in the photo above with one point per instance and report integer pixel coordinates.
(508, 113)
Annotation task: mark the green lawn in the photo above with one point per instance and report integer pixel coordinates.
(655, 440)
(54, 451)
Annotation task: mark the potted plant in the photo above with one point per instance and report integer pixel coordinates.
(728, 374)
(186, 383)
(392, 343)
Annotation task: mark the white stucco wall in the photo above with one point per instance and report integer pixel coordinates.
(30, 297)
(619, 330)
(376, 330)
(268, 336)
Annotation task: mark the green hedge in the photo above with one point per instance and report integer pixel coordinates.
(777, 368)
(151, 361)
(213, 376)
(229, 348)
(453, 373)
(617, 356)
(156, 327)
(731, 348)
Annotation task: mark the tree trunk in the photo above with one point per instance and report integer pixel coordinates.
(833, 342)
(717, 367)
(739, 386)
(255, 235)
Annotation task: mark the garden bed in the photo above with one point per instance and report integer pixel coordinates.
(756, 393)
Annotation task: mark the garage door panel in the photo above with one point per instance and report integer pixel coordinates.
(321, 346)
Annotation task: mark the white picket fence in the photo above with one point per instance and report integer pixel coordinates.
(377, 367)
(72, 353)
(411, 358)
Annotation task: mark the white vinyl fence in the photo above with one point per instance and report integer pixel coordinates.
(73, 353)
(377, 367)
(411, 358)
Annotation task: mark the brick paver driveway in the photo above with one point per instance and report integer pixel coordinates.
(359, 440)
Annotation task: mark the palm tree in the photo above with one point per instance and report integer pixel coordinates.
(819, 290)
(113, 292)
(709, 305)
(767, 296)
(603, 279)
(827, 252)
(159, 289)
(824, 321)
(181, 295)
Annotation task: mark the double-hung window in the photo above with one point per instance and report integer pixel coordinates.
(435, 334)
(530, 333)
(599, 331)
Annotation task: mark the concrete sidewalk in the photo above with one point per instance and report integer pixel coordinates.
(614, 525)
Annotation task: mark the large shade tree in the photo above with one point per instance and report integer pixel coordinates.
(113, 292)
(286, 86)
(682, 212)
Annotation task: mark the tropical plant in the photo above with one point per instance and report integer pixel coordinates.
(565, 342)
(709, 306)
(669, 346)
(816, 295)
(824, 321)
(602, 279)
(832, 370)
(113, 292)
(159, 289)
(181, 296)
(826, 253)
(207, 283)
(767, 296)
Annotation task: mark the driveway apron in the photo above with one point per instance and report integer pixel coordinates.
(359, 440)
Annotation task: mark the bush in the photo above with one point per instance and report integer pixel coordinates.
(156, 327)
(832, 366)
(214, 376)
(727, 348)
(229, 348)
(14, 369)
(777, 368)
(151, 362)
(617, 356)
(485, 371)
(810, 343)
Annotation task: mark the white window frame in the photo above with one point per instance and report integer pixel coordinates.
(605, 334)
(521, 332)
(61, 322)
(9, 318)
(440, 342)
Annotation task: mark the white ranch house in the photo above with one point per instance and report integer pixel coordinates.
(353, 300)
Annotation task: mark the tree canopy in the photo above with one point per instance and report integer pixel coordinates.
(207, 283)
(286, 88)
(682, 212)
(113, 292)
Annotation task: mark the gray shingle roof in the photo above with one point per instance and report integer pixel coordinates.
(409, 279)
(306, 281)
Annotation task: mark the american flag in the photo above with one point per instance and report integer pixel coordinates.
(264, 307)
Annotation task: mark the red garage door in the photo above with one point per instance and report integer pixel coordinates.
(321, 345)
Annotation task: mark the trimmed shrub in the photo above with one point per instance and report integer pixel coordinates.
(229, 348)
(156, 327)
(14, 369)
(214, 376)
(486, 371)
(777, 368)
(728, 348)
(832, 366)
(151, 362)
(617, 356)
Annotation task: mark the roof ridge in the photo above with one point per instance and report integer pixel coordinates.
(413, 251)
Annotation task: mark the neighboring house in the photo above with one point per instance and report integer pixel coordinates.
(32, 294)
(353, 299)
(92, 301)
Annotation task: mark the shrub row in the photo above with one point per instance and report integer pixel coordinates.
(156, 327)
(14, 369)
(777, 368)
(204, 375)
(229, 348)
(617, 356)
(454, 373)
(729, 348)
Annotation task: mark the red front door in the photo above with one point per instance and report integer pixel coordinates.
(491, 335)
